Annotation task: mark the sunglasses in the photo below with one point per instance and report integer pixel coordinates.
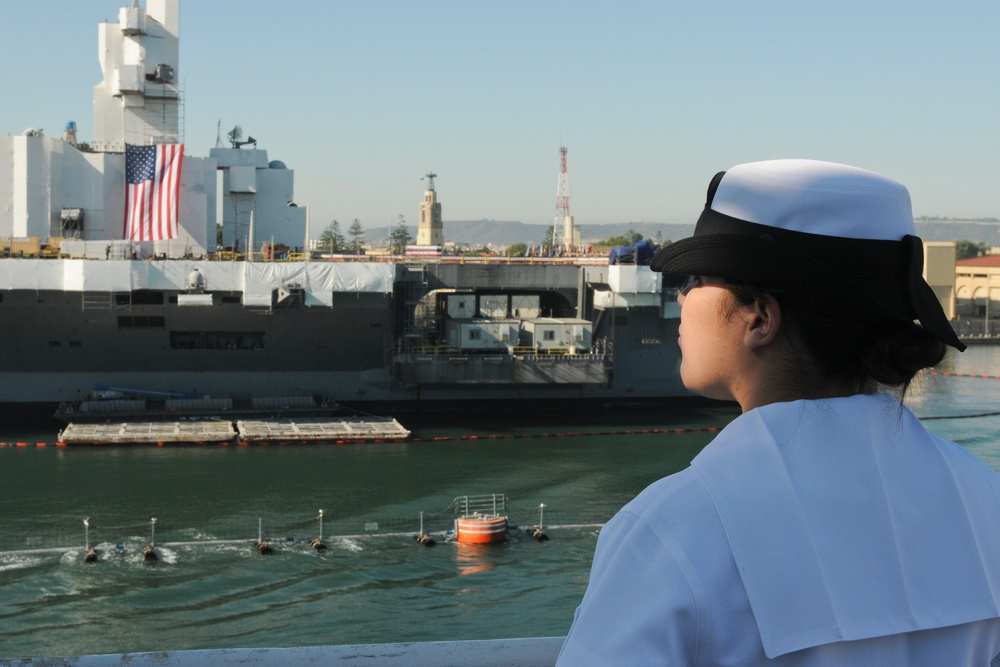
(682, 282)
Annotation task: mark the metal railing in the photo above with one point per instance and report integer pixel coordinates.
(493, 504)
(527, 652)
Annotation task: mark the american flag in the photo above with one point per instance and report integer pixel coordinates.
(152, 189)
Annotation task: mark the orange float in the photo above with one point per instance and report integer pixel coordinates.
(481, 529)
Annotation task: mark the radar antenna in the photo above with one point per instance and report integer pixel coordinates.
(235, 138)
(430, 180)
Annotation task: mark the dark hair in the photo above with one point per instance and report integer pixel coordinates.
(857, 345)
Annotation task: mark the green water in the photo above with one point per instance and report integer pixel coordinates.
(373, 586)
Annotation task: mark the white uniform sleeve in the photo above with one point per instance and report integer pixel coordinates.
(639, 608)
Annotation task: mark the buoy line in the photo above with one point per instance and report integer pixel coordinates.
(487, 436)
(981, 414)
(961, 375)
(572, 434)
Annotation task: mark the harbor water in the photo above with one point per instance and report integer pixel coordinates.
(212, 589)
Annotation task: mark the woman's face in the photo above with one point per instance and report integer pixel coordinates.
(711, 340)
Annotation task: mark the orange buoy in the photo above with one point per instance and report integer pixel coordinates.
(481, 529)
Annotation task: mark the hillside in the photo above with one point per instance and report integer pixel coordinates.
(978, 231)
(501, 233)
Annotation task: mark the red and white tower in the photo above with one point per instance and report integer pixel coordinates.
(564, 234)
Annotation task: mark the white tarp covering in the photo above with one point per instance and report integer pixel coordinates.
(33, 274)
(352, 277)
(174, 274)
(262, 278)
(256, 279)
(319, 299)
(109, 276)
(634, 279)
(606, 299)
(319, 279)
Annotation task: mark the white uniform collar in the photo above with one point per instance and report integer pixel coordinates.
(848, 520)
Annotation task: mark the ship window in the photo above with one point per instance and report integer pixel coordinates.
(475, 334)
(217, 340)
(376, 325)
(140, 322)
(55, 343)
(548, 335)
(75, 343)
(230, 299)
(145, 297)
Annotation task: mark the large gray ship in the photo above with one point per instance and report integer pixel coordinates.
(358, 333)
(85, 314)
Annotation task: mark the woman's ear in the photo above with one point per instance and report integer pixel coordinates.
(763, 319)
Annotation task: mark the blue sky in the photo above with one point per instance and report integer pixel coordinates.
(363, 98)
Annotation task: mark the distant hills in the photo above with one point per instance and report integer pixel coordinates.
(978, 231)
(502, 233)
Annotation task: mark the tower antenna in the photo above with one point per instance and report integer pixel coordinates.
(563, 230)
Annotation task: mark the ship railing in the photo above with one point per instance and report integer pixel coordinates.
(427, 353)
(526, 652)
(493, 504)
(437, 349)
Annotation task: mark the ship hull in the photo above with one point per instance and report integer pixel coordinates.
(61, 344)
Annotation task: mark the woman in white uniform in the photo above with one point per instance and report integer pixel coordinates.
(825, 525)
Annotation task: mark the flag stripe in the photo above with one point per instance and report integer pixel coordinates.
(152, 191)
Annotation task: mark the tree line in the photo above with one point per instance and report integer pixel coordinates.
(333, 242)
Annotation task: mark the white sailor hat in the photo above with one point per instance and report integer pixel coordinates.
(843, 234)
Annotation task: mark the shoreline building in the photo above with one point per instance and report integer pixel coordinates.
(939, 272)
(977, 287)
(430, 229)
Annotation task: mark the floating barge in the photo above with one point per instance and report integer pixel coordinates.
(281, 431)
(159, 433)
(368, 429)
(298, 419)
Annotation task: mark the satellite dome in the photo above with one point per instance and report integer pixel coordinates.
(195, 280)
(276, 164)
